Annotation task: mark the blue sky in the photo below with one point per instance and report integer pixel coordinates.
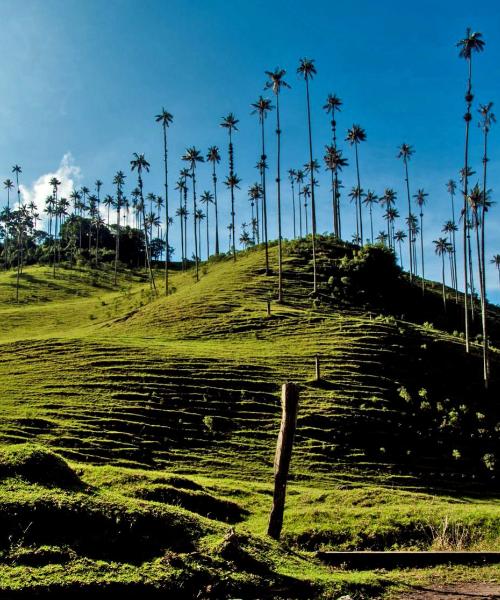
(87, 77)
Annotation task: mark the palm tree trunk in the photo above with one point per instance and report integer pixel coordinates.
(313, 201)
(293, 208)
(214, 179)
(358, 200)
(407, 179)
(208, 239)
(300, 213)
(422, 250)
(193, 176)
(443, 278)
(117, 241)
(482, 275)
(264, 194)
(278, 183)
(466, 165)
(165, 157)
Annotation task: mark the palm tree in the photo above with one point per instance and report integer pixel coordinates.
(165, 118)
(307, 69)
(261, 108)
(496, 261)
(487, 120)
(140, 164)
(118, 181)
(276, 83)
(400, 237)
(229, 122)
(381, 238)
(54, 183)
(357, 194)
(355, 136)
(451, 186)
(193, 156)
(306, 192)
(17, 170)
(391, 214)
(405, 152)
(420, 197)
(442, 248)
(334, 162)
(207, 198)
(333, 103)
(291, 178)
(199, 216)
(184, 174)
(8, 185)
(450, 229)
(254, 194)
(299, 178)
(213, 156)
(470, 44)
(370, 199)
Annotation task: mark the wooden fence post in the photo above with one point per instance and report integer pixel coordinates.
(289, 405)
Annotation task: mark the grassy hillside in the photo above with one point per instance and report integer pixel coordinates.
(167, 410)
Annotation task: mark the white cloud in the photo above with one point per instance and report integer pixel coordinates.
(69, 175)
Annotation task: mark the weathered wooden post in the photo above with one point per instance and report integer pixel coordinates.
(289, 406)
(318, 370)
(269, 308)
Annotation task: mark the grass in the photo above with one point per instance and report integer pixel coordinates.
(155, 421)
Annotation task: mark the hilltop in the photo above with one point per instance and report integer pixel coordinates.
(162, 413)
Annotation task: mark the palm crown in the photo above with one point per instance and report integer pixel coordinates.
(306, 68)
(229, 122)
(276, 81)
(165, 118)
(472, 42)
(213, 155)
(355, 135)
(261, 107)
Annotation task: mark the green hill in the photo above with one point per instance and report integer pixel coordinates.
(167, 411)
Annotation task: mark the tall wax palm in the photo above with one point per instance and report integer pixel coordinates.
(200, 215)
(405, 153)
(391, 214)
(334, 162)
(442, 247)
(468, 45)
(291, 178)
(165, 118)
(479, 204)
(420, 197)
(54, 183)
(8, 185)
(261, 108)
(16, 169)
(98, 186)
(229, 123)
(306, 192)
(207, 198)
(254, 195)
(140, 164)
(299, 178)
(333, 103)
(213, 156)
(400, 237)
(369, 200)
(487, 120)
(496, 261)
(357, 194)
(307, 70)
(193, 156)
(451, 187)
(450, 228)
(355, 136)
(118, 181)
(185, 174)
(276, 83)
(180, 212)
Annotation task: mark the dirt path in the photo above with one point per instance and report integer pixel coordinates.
(462, 591)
